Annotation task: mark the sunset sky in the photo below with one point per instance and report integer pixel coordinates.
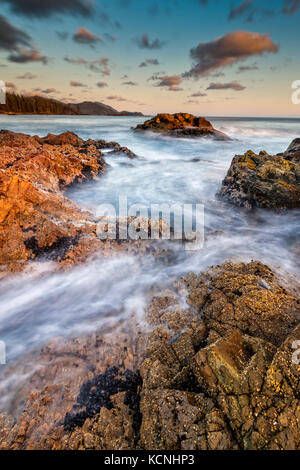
(207, 57)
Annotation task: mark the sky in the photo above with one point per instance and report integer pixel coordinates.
(206, 57)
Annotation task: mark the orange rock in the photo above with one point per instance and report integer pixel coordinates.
(182, 125)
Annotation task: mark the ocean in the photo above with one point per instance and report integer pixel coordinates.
(183, 171)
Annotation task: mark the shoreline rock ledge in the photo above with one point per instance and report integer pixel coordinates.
(213, 370)
(37, 220)
(266, 181)
(182, 125)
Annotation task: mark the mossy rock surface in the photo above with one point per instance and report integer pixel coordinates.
(267, 181)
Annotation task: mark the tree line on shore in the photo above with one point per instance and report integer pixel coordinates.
(20, 104)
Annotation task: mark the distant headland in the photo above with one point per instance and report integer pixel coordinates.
(21, 104)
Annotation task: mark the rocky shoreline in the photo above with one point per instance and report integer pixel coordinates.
(36, 219)
(267, 181)
(214, 374)
(212, 365)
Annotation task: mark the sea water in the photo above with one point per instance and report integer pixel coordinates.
(185, 171)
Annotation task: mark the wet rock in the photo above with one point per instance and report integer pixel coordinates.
(36, 223)
(63, 139)
(234, 385)
(248, 298)
(182, 125)
(78, 394)
(293, 151)
(117, 148)
(218, 374)
(36, 219)
(263, 180)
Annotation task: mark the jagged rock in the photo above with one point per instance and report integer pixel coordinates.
(293, 151)
(228, 381)
(217, 375)
(63, 139)
(117, 148)
(263, 180)
(36, 219)
(182, 125)
(80, 394)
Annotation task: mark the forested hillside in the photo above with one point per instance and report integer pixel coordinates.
(20, 104)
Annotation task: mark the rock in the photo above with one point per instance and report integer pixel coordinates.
(234, 385)
(217, 375)
(263, 180)
(81, 394)
(63, 139)
(181, 125)
(36, 219)
(293, 151)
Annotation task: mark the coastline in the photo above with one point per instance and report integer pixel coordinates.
(172, 357)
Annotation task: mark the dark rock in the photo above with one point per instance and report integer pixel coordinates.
(293, 151)
(234, 386)
(263, 180)
(218, 375)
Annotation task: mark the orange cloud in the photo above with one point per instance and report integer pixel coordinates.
(170, 81)
(228, 50)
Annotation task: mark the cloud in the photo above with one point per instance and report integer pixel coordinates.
(239, 10)
(116, 98)
(100, 65)
(247, 68)
(12, 38)
(102, 84)
(63, 35)
(170, 81)
(226, 86)
(155, 76)
(84, 36)
(290, 7)
(23, 56)
(48, 91)
(218, 74)
(145, 43)
(46, 8)
(27, 76)
(130, 83)
(77, 84)
(198, 94)
(227, 50)
(149, 62)
(110, 37)
(104, 17)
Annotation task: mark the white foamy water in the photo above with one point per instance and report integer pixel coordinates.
(184, 171)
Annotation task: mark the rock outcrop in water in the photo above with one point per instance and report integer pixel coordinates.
(264, 180)
(181, 125)
(36, 219)
(215, 373)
